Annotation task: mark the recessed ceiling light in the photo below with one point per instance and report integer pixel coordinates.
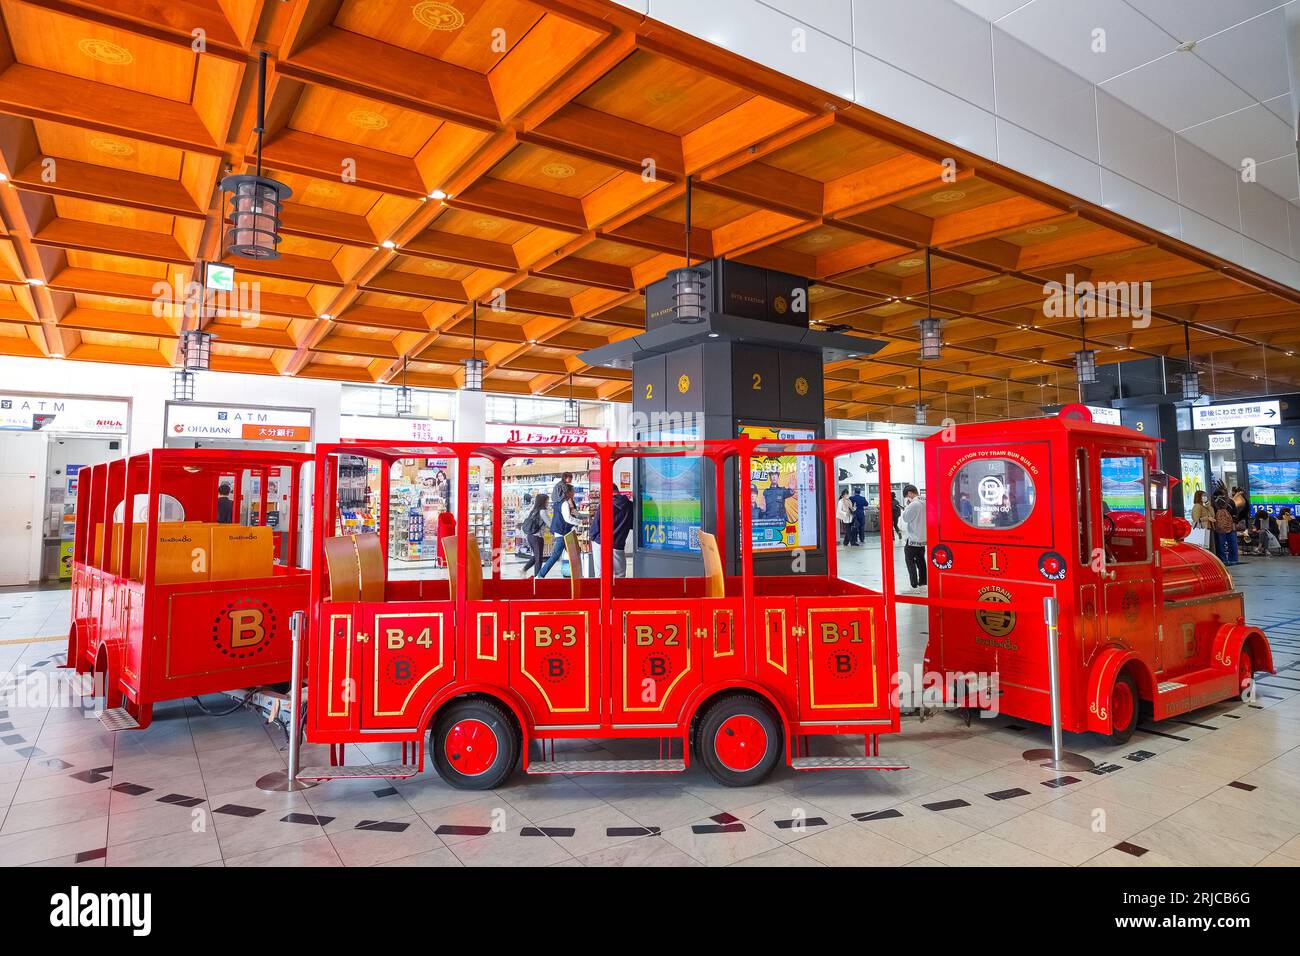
(388, 244)
(438, 194)
(714, 335)
(326, 316)
(36, 282)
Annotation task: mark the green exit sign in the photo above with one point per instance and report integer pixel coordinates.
(221, 278)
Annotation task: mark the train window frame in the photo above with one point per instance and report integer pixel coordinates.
(1147, 513)
(1083, 497)
(955, 492)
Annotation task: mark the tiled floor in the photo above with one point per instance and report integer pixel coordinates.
(1220, 787)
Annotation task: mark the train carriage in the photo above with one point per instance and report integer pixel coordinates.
(174, 597)
(1066, 508)
(740, 671)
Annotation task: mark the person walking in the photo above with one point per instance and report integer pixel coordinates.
(564, 518)
(844, 512)
(1225, 532)
(859, 518)
(895, 512)
(622, 506)
(561, 488)
(912, 523)
(534, 527)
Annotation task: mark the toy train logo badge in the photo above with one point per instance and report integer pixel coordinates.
(244, 628)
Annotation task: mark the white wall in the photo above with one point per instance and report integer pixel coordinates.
(150, 388)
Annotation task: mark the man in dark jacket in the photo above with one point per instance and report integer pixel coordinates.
(622, 506)
(859, 517)
(225, 504)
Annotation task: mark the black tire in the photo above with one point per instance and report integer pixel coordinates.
(712, 723)
(505, 740)
(1118, 734)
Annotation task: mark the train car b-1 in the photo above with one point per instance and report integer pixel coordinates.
(1064, 507)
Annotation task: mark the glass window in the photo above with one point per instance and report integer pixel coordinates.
(1082, 504)
(993, 493)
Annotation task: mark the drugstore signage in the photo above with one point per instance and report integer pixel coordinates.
(379, 428)
(58, 415)
(238, 422)
(503, 434)
(1237, 415)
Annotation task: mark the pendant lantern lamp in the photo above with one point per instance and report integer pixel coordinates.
(405, 397)
(688, 283)
(196, 346)
(473, 364)
(931, 328)
(572, 413)
(1191, 377)
(1085, 360)
(183, 385)
(256, 201)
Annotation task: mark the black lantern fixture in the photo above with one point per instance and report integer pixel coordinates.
(473, 364)
(572, 413)
(1191, 377)
(255, 200)
(921, 408)
(1085, 360)
(405, 397)
(196, 347)
(183, 385)
(688, 283)
(931, 328)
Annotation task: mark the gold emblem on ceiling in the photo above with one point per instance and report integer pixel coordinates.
(558, 170)
(105, 51)
(948, 195)
(438, 16)
(367, 119)
(113, 147)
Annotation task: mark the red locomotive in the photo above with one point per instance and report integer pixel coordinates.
(739, 671)
(1068, 508)
(175, 593)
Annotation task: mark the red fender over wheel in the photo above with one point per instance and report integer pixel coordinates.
(1105, 669)
(1229, 641)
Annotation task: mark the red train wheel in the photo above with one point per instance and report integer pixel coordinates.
(1245, 672)
(474, 744)
(1124, 702)
(739, 740)
(471, 746)
(740, 743)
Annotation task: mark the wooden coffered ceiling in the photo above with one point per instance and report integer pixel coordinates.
(532, 157)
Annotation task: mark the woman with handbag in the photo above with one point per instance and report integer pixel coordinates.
(844, 512)
(534, 528)
(1225, 532)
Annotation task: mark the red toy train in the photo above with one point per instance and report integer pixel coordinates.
(739, 672)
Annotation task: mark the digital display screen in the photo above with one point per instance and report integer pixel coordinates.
(782, 493)
(1274, 485)
(1123, 484)
(669, 490)
(1194, 480)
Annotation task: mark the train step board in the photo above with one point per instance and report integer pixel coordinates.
(117, 718)
(847, 763)
(608, 766)
(360, 771)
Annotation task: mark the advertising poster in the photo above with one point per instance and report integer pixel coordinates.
(1274, 485)
(782, 493)
(1122, 484)
(670, 503)
(1194, 480)
(65, 561)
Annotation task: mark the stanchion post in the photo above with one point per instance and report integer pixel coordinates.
(1058, 759)
(281, 781)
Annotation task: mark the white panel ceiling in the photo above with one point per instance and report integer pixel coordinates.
(1229, 94)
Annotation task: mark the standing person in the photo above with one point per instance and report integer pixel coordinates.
(912, 521)
(534, 527)
(561, 488)
(225, 504)
(896, 511)
(622, 506)
(564, 518)
(1202, 514)
(965, 509)
(859, 518)
(844, 512)
(1225, 532)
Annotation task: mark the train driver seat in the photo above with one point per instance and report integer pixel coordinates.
(473, 567)
(715, 581)
(356, 567)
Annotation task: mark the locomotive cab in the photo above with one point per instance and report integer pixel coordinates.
(1077, 511)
